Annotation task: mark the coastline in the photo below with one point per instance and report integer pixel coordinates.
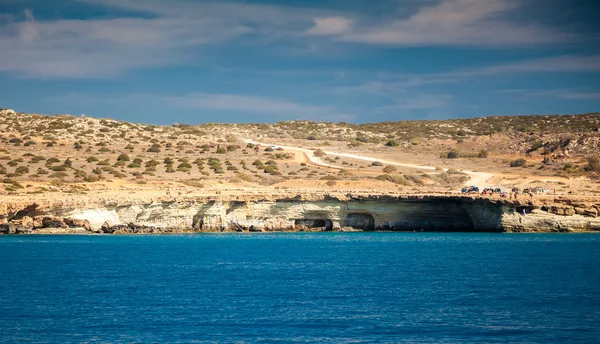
(298, 212)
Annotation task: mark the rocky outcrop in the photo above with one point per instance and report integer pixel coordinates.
(327, 213)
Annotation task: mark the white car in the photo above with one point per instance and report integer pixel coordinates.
(273, 147)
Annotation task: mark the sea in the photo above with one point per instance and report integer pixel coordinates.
(301, 288)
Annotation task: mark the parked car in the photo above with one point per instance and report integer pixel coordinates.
(540, 190)
(472, 189)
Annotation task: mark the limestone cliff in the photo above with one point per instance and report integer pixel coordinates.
(302, 212)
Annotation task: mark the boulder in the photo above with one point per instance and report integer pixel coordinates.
(53, 222)
(27, 222)
(38, 222)
(107, 227)
(71, 222)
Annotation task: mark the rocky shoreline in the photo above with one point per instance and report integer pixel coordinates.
(331, 212)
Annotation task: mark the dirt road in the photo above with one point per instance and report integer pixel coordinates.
(477, 178)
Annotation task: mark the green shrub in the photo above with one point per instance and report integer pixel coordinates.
(123, 157)
(453, 154)
(155, 148)
(394, 179)
(520, 162)
(390, 169)
(593, 164)
(22, 170)
(392, 143)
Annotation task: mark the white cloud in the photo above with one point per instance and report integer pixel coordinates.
(105, 47)
(418, 102)
(330, 26)
(210, 103)
(172, 32)
(256, 105)
(567, 63)
(556, 93)
(390, 84)
(451, 23)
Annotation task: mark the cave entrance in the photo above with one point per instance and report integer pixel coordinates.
(315, 223)
(363, 221)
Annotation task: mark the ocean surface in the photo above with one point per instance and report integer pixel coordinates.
(307, 287)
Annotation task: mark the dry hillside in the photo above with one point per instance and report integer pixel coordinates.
(40, 153)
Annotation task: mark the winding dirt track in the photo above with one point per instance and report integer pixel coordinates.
(477, 178)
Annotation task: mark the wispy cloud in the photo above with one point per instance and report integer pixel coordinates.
(330, 26)
(393, 84)
(556, 93)
(445, 23)
(256, 105)
(158, 33)
(417, 102)
(209, 104)
(164, 33)
(104, 47)
(567, 63)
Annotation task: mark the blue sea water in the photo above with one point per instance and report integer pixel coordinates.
(301, 287)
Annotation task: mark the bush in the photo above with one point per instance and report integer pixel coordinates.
(184, 166)
(453, 154)
(377, 163)
(319, 152)
(22, 170)
(394, 179)
(593, 164)
(155, 148)
(520, 162)
(390, 169)
(123, 157)
(482, 154)
(60, 168)
(392, 143)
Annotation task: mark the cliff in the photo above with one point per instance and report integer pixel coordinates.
(299, 213)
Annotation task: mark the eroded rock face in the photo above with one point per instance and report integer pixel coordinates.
(71, 222)
(412, 213)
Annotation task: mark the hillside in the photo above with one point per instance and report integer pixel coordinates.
(40, 154)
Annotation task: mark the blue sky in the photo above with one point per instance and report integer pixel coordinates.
(159, 61)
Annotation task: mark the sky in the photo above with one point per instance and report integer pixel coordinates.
(264, 61)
